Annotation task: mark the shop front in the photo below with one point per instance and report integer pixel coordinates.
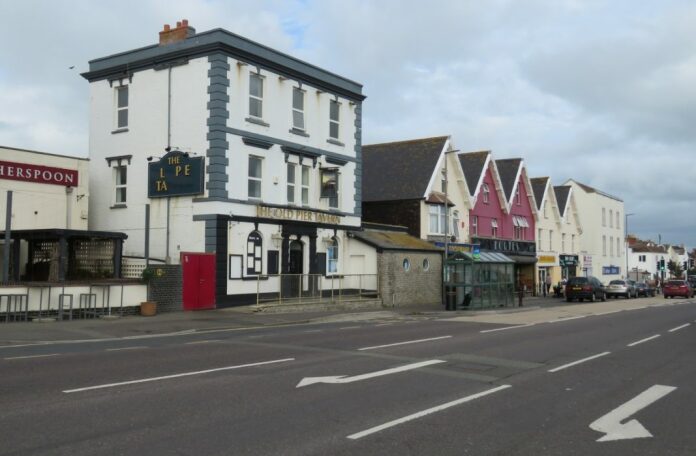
(522, 253)
(547, 268)
(569, 266)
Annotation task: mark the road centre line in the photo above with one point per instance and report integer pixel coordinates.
(580, 361)
(633, 344)
(31, 356)
(566, 319)
(506, 328)
(127, 348)
(679, 327)
(403, 343)
(350, 327)
(423, 413)
(167, 377)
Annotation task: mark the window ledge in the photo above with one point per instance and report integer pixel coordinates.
(257, 121)
(119, 130)
(119, 206)
(298, 132)
(335, 142)
(253, 278)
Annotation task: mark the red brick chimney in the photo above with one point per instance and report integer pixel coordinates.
(179, 33)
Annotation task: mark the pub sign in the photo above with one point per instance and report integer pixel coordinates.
(175, 174)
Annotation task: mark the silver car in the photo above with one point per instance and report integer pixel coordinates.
(625, 288)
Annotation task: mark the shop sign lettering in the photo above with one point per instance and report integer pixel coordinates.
(37, 173)
(300, 215)
(175, 174)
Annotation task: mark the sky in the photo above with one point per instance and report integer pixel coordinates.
(603, 92)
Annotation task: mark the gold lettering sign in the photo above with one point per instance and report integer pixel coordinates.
(547, 259)
(301, 215)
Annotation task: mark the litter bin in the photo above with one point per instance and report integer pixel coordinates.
(451, 299)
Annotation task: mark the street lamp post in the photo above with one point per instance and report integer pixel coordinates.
(626, 237)
(444, 265)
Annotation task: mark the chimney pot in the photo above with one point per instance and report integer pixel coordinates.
(166, 27)
(178, 24)
(175, 34)
(184, 22)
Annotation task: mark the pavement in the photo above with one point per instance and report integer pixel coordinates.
(535, 309)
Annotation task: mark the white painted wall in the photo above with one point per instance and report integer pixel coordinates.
(147, 136)
(37, 205)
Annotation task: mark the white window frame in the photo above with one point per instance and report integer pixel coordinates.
(336, 198)
(258, 179)
(332, 260)
(604, 217)
(455, 224)
(540, 238)
(546, 212)
(611, 246)
(305, 172)
(119, 109)
(494, 227)
(611, 218)
(299, 111)
(604, 245)
(474, 225)
(291, 184)
(563, 242)
(486, 193)
(258, 98)
(618, 218)
(518, 196)
(120, 186)
(335, 122)
(572, 243)
(550, 240)
(437, 214)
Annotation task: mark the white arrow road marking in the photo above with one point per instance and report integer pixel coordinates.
(610, 424)
(343, 379)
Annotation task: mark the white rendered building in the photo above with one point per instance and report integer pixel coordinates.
(280, 141)
(602, 242)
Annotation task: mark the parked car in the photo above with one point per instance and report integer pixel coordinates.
(623, 288)
(582, 288)
(645, 289)
(678, 288)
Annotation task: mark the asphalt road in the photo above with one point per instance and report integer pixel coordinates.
(401, 386)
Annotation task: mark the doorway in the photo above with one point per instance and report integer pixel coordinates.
(293, 282)
(198, 277)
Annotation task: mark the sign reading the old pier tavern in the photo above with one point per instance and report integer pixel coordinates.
(175, 174)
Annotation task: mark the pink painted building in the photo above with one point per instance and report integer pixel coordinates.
(503, 214)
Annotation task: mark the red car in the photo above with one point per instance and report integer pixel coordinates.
(678, 288)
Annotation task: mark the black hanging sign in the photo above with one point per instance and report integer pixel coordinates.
(175, 174)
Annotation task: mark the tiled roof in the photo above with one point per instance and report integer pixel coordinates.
(399, 170)
(643, 247)
(472, 164)
(507, 169)
(394, 240)
(562, 193)
(539, 186)
(589, 189)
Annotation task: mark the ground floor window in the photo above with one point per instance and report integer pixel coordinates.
(332, 256)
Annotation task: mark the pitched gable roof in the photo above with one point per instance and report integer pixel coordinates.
(472, 164)
(587, 189)
(399, 170)
(562, 195)
(507, 170)
(539, 188)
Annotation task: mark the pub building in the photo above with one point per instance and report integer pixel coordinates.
(246, 160)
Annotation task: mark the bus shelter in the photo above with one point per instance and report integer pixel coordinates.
(481, 281)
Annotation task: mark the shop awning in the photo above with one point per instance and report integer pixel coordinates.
(522, 259)
(520, 221)
(484, 257)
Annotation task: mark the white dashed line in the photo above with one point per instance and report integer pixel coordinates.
(426, 412)
(633, 344)
(167, 377)
(207, 341)
(404, 343)
(574, 363)
(679, 327)
(126, 348)
(32, 356)
(506, 328)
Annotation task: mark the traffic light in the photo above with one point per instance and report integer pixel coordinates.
(684, 266)
(691, 263)
(662, 264)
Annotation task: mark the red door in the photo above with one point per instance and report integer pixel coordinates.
(198, 270)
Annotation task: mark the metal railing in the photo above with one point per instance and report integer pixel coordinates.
(307, 288)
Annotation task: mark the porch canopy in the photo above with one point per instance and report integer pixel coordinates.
(57, 255)
(479, 282)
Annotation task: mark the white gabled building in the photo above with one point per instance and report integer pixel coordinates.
(602, 242)
(280, 141)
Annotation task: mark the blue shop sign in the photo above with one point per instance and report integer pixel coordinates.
(611, 270)
(175, 174)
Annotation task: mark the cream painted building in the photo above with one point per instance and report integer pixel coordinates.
(558, 232)
(602, 242)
